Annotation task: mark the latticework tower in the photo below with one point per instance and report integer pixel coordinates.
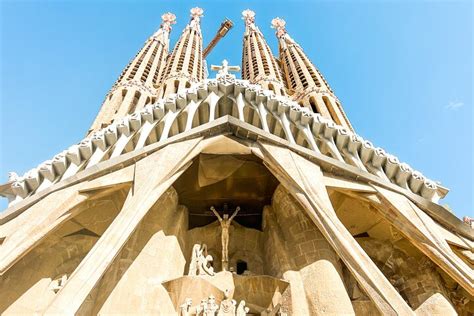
(138, 82)
(258, 64)
(185, 65)
(305, 83)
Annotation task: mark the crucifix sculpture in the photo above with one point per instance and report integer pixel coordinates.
(225, 226)
(224, 69)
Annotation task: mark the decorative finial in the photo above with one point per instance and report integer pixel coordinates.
(279, 25)
(12, 176)
(248, 16)
(167, 20)
(196, 12)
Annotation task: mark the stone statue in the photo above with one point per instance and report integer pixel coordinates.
(185, 308)
(225, 225)
(201, 262)
(242, 310)
(228, 306)
(212, 307)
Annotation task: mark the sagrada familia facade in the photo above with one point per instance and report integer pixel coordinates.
(193, 195)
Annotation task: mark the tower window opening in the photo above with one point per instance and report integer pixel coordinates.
(241, 266)
(134, 104)
(176, 86)
(312, 103)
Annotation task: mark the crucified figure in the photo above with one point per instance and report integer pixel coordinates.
(225, 226)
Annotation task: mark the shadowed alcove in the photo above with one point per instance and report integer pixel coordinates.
(225, 182)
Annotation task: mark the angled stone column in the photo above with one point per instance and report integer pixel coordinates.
(313, 258)
(436, 305)
(305, 181)
(51, 212)
(420, 229)
(153, 175)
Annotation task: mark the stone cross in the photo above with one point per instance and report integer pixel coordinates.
(224, 69)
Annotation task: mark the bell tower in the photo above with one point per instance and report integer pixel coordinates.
(185, 65)
(258, 63)
(306, 85)
(138, 82)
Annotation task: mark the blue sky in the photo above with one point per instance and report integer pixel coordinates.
(402, 69)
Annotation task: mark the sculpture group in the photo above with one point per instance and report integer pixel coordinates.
(209, 307)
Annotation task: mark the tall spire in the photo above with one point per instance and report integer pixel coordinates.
(185, 65)
(258, 63)
(305, 83)
(138, 82)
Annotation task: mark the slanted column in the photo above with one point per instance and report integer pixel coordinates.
(160, 258)
(316, 261)
(153, 176)
(305, 181)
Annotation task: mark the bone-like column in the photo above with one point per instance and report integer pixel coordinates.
(153, 175)
(313, 258)
(35, 224)
(420, 229)
(305, 181)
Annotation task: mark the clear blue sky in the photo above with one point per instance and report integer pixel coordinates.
(403, 71)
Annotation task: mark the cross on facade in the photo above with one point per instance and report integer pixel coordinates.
(224, 69)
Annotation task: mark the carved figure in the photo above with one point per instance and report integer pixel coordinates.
(228, 306)
(225, 226)
(201, 262)
(242, 310)
(185, 308)
(212, 307)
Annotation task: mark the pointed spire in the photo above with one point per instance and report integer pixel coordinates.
(138, 83)
(258, 63)
(185, 65)
(162, 34)
(305, 83)
(249, 17)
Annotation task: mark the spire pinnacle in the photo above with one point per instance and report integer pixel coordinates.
(248, 16)
(196, 13)
(279, 25)
(167, 20)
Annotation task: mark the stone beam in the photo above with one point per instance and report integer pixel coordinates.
(421, 230)
(342, 184)
(305, 181)
(153, 176)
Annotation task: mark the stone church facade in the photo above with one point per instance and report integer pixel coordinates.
(221, 196)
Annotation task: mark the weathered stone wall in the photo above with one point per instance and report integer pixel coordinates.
(32, 283)
(316, 282)
(415, 278)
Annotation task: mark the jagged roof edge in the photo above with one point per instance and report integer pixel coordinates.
(229, 125)
(299, 125)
